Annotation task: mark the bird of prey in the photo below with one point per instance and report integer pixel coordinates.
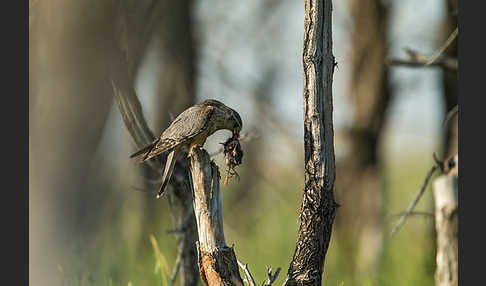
(189, 129)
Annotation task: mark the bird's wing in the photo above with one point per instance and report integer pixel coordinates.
(145, 149)
(187, 125)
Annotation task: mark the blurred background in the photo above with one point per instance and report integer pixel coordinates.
(91, 213)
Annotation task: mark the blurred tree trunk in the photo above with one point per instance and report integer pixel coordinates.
(450, 78)
(174, 46)
(359, 182)
(175, 92)
(169, 25)
(246, 192)
(69, 100)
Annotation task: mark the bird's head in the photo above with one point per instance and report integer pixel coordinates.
(235, 120)
(231, 118)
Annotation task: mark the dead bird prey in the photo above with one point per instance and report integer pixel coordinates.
(234, 156)
(190, 129)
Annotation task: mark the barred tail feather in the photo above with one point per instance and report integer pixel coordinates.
(169, 167)
(161, 146)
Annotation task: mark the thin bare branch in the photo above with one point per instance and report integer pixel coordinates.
(447, 43)
(249, 277)
(426, 214)
(416, 59)
(415, 200)
(177, 266)
(451, 114)
(271, 277)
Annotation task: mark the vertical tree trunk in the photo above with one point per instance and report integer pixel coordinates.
(450, 78)
(63, 135)
(318, 207)
(446, 186)
(176, 51)
(359, 182)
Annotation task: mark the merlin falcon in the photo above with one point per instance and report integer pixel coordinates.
(190, 129)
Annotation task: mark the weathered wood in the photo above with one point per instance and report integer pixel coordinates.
(318, 206)
(446, 226)
(217, 262)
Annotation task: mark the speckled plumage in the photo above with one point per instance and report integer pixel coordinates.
(189, 129)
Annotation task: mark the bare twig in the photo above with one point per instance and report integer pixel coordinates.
(177, 266)
(249, 277)
(416, 59)
(271, 277)
(416, 199)
(426, 214)
(451, 114)
(447, 43)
